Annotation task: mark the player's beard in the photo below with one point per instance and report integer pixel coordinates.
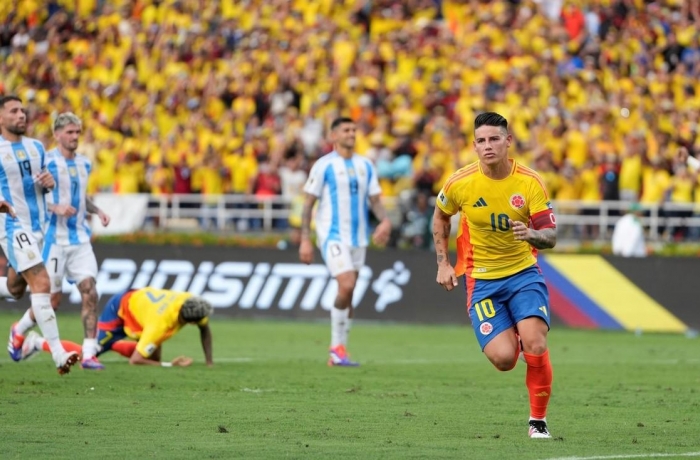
(17, 130)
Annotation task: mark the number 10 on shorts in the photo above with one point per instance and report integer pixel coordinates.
(484, 309)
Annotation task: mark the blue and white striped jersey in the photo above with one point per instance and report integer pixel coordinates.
(343, 187)
(20, 163)
(71, 178)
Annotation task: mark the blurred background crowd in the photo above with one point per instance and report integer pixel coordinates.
(235, 96)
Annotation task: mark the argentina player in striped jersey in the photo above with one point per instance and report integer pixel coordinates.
(23, 183)
(67, 249)
(346, 186)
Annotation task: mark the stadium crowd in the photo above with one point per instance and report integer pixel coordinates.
(193, 96)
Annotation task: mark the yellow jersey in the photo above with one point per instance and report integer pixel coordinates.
(151, 316)
(486, 247)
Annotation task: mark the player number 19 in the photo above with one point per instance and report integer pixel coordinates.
(484, 309)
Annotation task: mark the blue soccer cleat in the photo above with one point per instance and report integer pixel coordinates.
(92, 364)
(14, 344)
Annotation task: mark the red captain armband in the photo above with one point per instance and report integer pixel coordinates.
(543, 219)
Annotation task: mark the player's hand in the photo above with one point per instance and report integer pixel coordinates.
(104, 218)
(521, 232)
(181, 361)
(306, 251)
(45, 179)
(64, 210)
(6, 208)
(382, 233)
(446, 277)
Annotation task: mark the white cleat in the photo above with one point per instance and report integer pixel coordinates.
(538, 429)
(31, 345)
(65, 361)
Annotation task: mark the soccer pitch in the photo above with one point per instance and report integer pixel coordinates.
(422, 392)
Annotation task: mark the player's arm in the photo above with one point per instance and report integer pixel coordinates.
(306, 250)
(383, 230)
(92, 208)
(545, 238)
(312, 189)
(442, 228)
(147, 352)
(205, 337)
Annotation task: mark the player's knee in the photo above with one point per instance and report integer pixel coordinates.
(345, 288)
(534, 345)
(504, 361)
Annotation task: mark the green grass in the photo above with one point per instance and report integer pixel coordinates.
(422, 392)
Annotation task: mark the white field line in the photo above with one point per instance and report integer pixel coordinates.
(611, 457)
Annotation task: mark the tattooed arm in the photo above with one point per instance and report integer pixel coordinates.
(92, 208)
(441, 237)
(442, 227)
(545, 238)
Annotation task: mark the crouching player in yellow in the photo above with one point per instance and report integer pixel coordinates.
(149, 316)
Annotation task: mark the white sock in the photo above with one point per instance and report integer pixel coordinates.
(4, 292)
(339, 326)
(89, 348)
(25, 323)
(538, 419)
(46, 319)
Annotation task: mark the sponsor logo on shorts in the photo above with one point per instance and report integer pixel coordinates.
(486, 328)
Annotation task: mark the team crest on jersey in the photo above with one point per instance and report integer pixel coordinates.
(486, 328)
(31, 255)
(33, 153)
(517, 201)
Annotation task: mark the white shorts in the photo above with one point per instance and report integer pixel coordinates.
(24, 251)
(76, 262)
(341, 258)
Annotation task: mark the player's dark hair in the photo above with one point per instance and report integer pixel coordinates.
(490, 119)
(195, 309)
(10, 97)
(340, 120)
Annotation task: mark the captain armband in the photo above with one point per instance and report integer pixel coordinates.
(543, 219)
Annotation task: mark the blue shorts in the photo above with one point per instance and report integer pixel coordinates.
(110, 327)
(498, 305)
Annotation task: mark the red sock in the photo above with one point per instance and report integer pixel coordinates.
(67, 345)
(124, 347)
(539, 383)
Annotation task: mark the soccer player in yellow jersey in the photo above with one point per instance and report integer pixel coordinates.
(505, 218)
(150, 316)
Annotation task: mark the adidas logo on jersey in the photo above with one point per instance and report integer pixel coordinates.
(480, 203)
